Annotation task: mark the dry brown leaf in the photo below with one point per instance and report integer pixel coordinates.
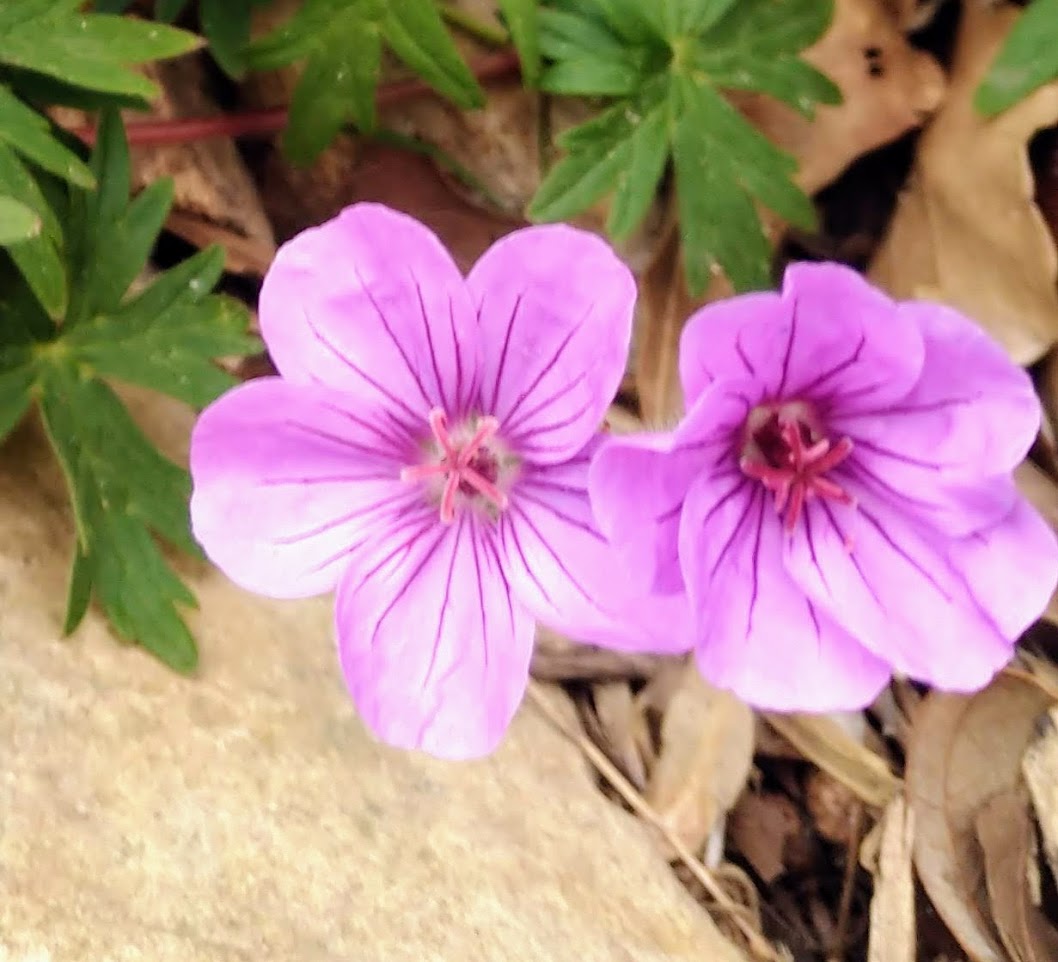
(963, 750)
(1008, 840)
(556, 658)
(892, 932)
(1042, 492)
(761, 828)
(621, 730)
(827, 744)
(706, 756)
(876, 109)
(967, 231)
(1040, 768)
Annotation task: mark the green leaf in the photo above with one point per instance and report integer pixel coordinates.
(30, 134)
(166, 337)
(121, 488)
(16, 385)
(595, 75)
(226, 24)
(94, 50)
(17, 221)
(668, 63)
(338, 85)
(342, 41)
(523, 21)
(1027, 60)
(168, 10)
(125, 494)
(416, 33)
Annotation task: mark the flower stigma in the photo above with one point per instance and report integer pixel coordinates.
(469, 467)
(786, 451)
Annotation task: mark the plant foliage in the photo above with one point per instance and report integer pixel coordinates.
(666, 65)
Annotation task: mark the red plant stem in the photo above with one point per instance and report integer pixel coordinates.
(260, 123)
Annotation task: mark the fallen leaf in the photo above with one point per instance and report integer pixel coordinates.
(1040, 768)
(620, 730)
(556, 658)
(705, 758)
(828, 744)
(1008, 840)
(963, 750)
(1042, 491)
(888, 88)
(761, 828)
(893, 928)
(835, 809)
(967, 230)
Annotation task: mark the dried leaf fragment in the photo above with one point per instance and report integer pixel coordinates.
(826, 743)
(967, 231)
(964, 749)
(892, 932)
(1008, 840)
(706, 757)
(1040, 767)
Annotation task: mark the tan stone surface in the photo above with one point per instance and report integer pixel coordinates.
(246, 815)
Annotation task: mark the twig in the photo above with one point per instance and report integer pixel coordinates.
(262, 123)
(642, 808)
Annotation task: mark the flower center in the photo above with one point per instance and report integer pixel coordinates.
(786, 452)
(469, 467)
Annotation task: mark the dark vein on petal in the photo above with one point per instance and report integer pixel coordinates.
(406, 582)
(512, 427)
(836, 369)
(853, 559)
(393, 337)
(743, 357)
(558, 561)
(755, 564)
(503, 353)
(385, 392)
(544, 371)
(524, 494)
(445, 605)
(874, 522)
(754, 496)
(333, 523)
(429, 343)
(511, 528)
(789, 347)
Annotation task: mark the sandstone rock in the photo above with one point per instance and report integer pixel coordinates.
(245, 814)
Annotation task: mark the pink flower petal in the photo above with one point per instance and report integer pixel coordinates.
(898, 591)
(972, 414)
(566, 573)
(829, 337)
(638, 482)
(953, 509)
(1011, 568)
(758, 635)
(285, 481)
(434, 649)
(555, 308)
(371, 303)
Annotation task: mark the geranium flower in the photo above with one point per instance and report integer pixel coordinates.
(425, 451)
(838, 500)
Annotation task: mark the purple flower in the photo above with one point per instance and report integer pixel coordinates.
(838, 500)
(425, 451)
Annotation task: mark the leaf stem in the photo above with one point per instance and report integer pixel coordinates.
(271, 120)
(487, 33)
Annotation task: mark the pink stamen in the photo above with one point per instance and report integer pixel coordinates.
(795, 472)
(460, 465)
